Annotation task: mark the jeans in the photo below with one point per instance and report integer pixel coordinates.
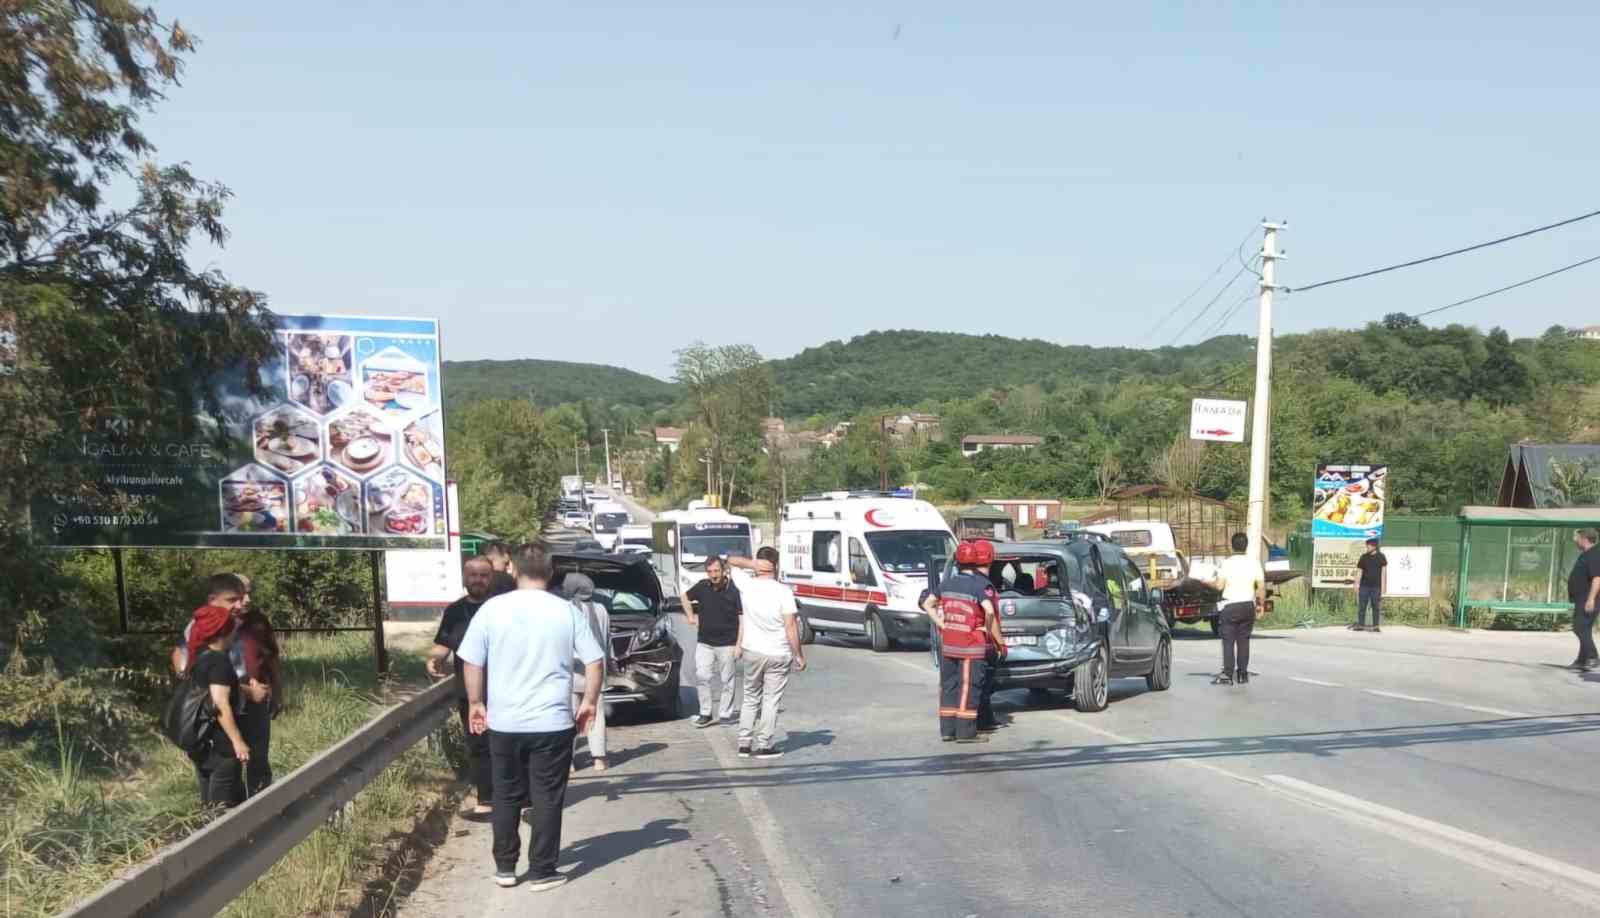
(1368, 596)
(765, 678)
(1235, 622)
(255, 725)
(1583, 627)
(714, 666)
(219, 774)
(961, 681)
(479, 768)
(531, 766)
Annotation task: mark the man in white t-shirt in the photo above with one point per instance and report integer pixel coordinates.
(527, 640)
(769, 645)
(1242, 581)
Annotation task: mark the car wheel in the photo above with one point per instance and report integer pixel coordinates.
(1091, 684)
(671, 706)
(1160, 677)
(876, 634)
(807, 636)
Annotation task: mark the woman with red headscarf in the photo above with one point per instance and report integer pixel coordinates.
(219, 765)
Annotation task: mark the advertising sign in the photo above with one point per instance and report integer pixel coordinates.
(1349, 501)
(1410, 572)
(1333, 562)
(428, 578)
(342, 448)
(1216, 419)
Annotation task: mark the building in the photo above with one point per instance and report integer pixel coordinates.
(1590, 333)
(669, 437)
(977, 443)
(925, 426)
(1028, 511)
(774, 426)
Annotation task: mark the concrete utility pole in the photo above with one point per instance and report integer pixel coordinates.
(577, 460)
(607, 434)
(1261, 421)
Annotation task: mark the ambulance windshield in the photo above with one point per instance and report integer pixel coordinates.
(908, 551)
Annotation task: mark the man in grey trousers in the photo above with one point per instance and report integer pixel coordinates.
(769, 645)
(713, 607)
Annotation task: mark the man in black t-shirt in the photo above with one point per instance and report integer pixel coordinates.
(1583, 588)
(477, 575)
(713, 606)
(499, 555)
(1370, 585)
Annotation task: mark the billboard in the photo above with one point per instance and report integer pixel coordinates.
(1410, 572)
(1333, 562)
(428, 579)
(343, 447)
(1216, 419)
(1348, 501)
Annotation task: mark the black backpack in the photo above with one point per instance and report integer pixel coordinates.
(190, 718)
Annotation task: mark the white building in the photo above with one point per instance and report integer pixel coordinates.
(669, 437)
(977, 443)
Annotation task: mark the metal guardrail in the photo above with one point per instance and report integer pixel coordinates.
(197, 877)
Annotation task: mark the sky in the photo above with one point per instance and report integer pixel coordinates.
(606, 182)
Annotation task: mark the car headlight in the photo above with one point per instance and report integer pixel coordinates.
(1057, 642)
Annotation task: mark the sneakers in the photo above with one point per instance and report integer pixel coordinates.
(547, 882)
(1243, 678)
(505, 878)
(744, 750)
(1375, 629)
(768, 752)
(703, 721)
(980, 738)
(1222, 679)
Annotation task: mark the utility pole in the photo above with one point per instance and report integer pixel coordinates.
(883, 453)
(1261, 421)
(607, 434)
(577, 461)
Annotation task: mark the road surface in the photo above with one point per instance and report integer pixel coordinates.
(1414, 773)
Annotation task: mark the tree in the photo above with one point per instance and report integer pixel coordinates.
(1108, 474)
(729, 390)
(507, 465)
(1181, 464)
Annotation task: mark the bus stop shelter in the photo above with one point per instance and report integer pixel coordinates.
(1515, 560)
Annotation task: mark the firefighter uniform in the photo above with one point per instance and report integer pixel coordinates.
(964, 650)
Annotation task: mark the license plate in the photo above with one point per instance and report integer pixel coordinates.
(1022, 640)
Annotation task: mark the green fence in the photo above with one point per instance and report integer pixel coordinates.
(1441, 533)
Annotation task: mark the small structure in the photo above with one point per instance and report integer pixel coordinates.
(1587, 333)
(1548, 475)
(1514, 560)
(926, 426)
(669, 437)
(983, 522)
(974, 444)
(1028, 511)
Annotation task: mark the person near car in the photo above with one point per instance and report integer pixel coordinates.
(477, 575)
(713, 607)
(963, 611)
(1373, 580)
(219, 763)
(499, 555)
(987, 722)
(579, 588)
(769, 645)
(1242, 581)
(517, 658)
(1583, 589)
(260, 683)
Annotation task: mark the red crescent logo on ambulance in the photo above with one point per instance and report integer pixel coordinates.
(872, 521)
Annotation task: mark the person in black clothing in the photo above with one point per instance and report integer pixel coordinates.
(1370, 586)
(499, 556)
(477, 575)
(1583, 588)
(219, 763)
(713, 606)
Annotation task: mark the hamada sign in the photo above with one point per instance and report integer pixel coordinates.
(1216, 419)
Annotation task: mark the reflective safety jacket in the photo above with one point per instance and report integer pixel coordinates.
(961, 599)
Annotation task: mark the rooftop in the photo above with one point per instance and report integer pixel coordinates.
(1003, 439)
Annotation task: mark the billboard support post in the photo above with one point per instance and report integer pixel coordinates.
(380, 652)
(122, 591)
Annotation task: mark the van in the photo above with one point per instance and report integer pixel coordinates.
(858, 564)
(609, 517)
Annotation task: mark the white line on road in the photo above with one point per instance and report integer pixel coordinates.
(1315, 682)
(1498, 712)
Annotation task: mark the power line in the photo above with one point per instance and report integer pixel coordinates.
(1201, 286)
(1521, 283)
(1470, 248)
(1229, 314)
(1224, 289)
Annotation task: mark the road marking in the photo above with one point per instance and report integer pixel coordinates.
(1510, 861)
(1315, 682)
(1498, 712)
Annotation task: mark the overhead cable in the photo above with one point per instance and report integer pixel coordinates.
(1521, 283)
(1201, 286)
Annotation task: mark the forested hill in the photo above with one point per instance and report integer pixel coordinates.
(553, 382)
(910, 367)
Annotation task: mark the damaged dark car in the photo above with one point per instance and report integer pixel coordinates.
(647, 662)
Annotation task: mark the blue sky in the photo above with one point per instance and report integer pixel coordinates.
(606, 182)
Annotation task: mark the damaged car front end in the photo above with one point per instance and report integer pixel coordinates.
(645, 666)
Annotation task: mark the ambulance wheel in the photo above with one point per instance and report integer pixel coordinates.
(1091, 683)
(876, 634)
(807, 636)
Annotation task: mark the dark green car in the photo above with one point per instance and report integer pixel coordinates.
(1074, 616)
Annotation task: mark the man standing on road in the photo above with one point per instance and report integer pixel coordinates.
(1243, 584)
(713, 607)
(1583, 588)
(769, 645)
(477, 575)
(499, 555)
(963, 613)
(1370, 585)
(527, 640)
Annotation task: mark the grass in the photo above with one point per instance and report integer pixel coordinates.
(67, 827)
(1298, 606)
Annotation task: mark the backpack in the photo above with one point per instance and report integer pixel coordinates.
(189, 719)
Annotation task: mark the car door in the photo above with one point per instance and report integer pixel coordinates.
(862, 587)
(1141, 630)
(1112, 597)
(824, 600)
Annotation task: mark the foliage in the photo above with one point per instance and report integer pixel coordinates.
(507, 463)
(729, 392)
(548, 383)
(1574, 483)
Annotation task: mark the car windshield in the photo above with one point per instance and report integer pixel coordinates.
(622, 600)
(909, 550)
(695, 549)
(609, 522)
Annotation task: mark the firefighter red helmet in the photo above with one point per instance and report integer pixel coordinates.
(974, 553)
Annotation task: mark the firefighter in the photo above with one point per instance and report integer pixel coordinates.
(963, 613)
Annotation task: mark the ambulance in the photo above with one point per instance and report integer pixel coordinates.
(858, 563)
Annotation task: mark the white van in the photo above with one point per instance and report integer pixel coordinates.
(683, 540)
(858, 563)
(608, 518)
(634, 539)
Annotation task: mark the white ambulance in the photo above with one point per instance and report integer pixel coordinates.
(858, 562)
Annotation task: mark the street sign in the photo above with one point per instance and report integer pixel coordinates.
(1410, 572)
(1333, 562)
(1216, 419)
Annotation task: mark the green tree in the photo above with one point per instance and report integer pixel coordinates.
(729, 391)
(506, 464)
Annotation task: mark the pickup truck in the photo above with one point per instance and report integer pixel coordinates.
(1189, 597)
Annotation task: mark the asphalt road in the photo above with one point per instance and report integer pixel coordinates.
(1408, 773)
